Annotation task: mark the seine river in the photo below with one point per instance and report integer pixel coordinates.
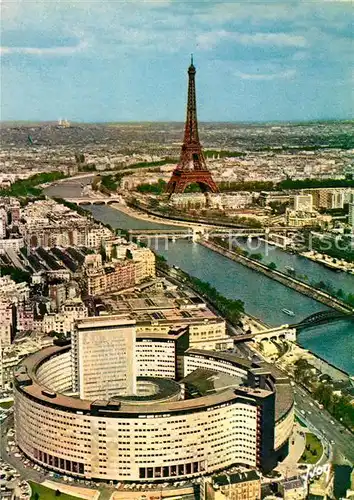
(263, 297)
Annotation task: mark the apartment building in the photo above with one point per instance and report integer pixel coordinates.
(6, 323)
(25, 317)
(15, 292)
(351, 213)
(105, 278)
(63, 321)
(303, 203)
(235, 486)
(302, 219)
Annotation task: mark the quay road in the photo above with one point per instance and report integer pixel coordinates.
(328, 428)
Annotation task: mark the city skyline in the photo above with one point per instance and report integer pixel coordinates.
(289, 61)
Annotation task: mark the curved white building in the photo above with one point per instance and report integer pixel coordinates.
(221, 411)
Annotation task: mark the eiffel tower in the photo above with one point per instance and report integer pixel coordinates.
(191, 168)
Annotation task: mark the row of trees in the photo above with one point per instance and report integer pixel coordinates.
(325, 286)
(231, 309)
(339, 293)
(72, 206)
(256, 186)
(155, 188)
(25, 187)
(321, 285)
(109, 182)
(337, 248)
(209, 153)
(241, 251)
(339, 406)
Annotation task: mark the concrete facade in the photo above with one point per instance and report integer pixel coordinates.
(103, 357)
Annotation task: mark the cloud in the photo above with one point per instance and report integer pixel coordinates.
(287, 74)
(210, 40)
(274, 39)
(45, 51)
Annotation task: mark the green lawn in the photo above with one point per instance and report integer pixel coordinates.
(6, 404)
(314, 449)
(47, 493)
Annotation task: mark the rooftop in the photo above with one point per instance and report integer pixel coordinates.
(240, 477)
(26, 381)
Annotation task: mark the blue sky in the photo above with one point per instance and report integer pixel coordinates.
(102, 60)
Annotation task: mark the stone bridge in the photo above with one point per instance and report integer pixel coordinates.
(195, 233)
(283, 332)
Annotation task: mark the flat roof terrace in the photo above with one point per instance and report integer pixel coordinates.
(27, 383)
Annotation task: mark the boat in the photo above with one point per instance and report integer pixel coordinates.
(291, 269)
(288, 312)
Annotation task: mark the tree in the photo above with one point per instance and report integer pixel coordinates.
(18, 275)
(57, 493)
(272, 266)
(324, 394)
(103, 253)
(154, 203)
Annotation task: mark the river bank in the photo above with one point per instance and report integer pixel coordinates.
(147, 217)
(282, 278)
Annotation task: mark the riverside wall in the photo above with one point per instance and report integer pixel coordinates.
(282, 278)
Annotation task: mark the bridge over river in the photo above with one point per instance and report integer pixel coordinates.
(322, 317)
(289, 332)
(195, 233)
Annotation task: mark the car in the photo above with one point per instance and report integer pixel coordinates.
(332, 441)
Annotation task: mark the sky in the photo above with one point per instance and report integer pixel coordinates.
(113, 61)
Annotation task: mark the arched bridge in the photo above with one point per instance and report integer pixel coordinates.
(322, 317)
(95, 200)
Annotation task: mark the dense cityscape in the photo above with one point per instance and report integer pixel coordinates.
(176, 299)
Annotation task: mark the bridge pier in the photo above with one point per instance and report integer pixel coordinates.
(283, 332)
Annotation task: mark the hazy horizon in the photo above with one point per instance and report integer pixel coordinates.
(266, 122)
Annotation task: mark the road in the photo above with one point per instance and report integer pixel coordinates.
(322, 421)
(27, 473)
